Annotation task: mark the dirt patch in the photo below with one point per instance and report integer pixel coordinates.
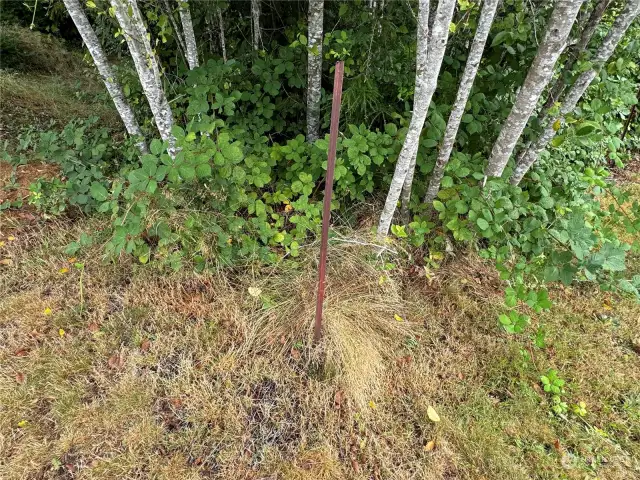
(14, 188)
(630, 173)
(15, 181)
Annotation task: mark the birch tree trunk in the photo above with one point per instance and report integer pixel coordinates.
(90, 39)
(575, 51)
(471, 69)
(538, 77)
(314, 68)
(255, 23)
(223, 43)
(425, 85)
(189, 36)
(146, 63)
(177, 33)
(437, 44)
(617, 31)
(420, 109)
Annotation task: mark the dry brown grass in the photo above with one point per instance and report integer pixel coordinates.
(165, 375)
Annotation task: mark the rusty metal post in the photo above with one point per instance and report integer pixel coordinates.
(328, 192)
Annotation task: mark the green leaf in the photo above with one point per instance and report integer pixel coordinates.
(233, 153)
(586, 128)
(239, 174)
(398, 231)
(439, 206)
(611, 258)
(581, 238)
(203, 170)
(482, 223)
(500, 37)
(99, 192)
(447, 181)
(391, 129)
(187, 172)
(558, 140)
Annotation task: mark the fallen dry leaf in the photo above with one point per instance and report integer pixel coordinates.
(432, 414)
(145, 345)
(22, 352)
(557, 446)
(93, 327)
(255, 292)
(116, 361)
(431, 444)
(20, 377)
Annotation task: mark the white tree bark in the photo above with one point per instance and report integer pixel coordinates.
(223, 43)
(555, 92)
(90, 39)
(314, 68)
(617, 31)
(146, 63)
(538, 77)
(255, 23)
(177, 33)
(437, 44)
(420, 109)
(189, 36)
(471, 69)
(575, 51)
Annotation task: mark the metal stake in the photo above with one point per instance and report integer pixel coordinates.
(328, 191)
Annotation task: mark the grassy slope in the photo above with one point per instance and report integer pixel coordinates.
(41, 82)
(141, 373)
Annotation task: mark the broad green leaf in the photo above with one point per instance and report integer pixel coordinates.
(482, 223)
(99, 192)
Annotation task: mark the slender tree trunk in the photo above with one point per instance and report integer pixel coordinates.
(255, 23)
(146, 63)
(427, 68)
(189, 36)
(468, 77)
(436, 47)
(314, 68)
(90, 39)
(575, 51)
(538, 77)
(617, 31)
(177, 33)
(223, 43)
(420, 109)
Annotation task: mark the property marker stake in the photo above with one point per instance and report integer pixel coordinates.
(328, 192)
